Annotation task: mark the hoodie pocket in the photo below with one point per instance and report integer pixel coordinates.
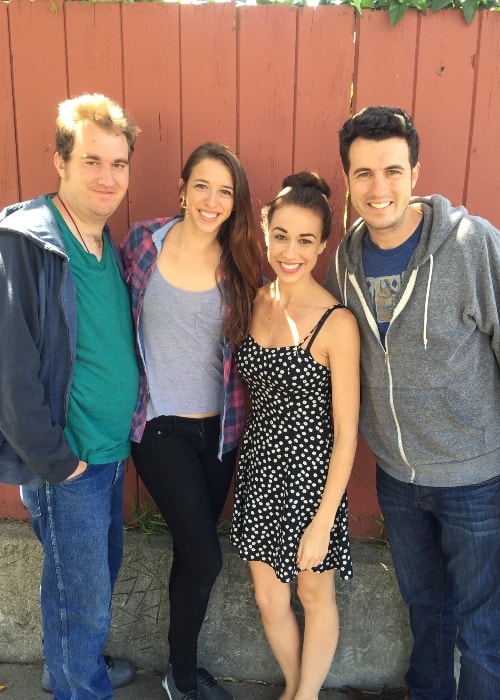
(435, 428)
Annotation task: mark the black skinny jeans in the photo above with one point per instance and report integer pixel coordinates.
(177, 461)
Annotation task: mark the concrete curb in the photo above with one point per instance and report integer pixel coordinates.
(374, 640)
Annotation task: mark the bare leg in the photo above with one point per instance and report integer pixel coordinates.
(280, 623)
(321, 630)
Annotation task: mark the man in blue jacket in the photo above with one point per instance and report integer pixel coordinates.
(68, 386)
(423, 279)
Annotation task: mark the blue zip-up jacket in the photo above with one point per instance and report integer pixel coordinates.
(38, 320)
(430, 399)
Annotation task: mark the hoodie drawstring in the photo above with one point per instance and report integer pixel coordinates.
(337, 272)
(427, 294)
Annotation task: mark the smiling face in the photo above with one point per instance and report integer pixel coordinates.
(208, 195)
(294, 242)
(95, 178)
(380, 182)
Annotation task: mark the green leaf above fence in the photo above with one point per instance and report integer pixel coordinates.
(396, 8)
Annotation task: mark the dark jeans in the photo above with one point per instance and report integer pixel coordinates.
(446, 549)
(177, 461)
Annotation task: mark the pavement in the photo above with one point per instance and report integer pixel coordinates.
(22, 682)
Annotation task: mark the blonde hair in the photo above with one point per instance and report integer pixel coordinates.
(94, 109)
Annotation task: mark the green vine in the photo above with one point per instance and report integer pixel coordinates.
(396, 8)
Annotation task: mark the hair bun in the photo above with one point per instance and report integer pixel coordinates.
(307, 178)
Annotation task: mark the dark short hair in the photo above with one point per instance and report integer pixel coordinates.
(91, 109)
(378, 124)
(307, 190)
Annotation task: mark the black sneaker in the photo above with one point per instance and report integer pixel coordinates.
(120, 672)
(173, 692)
(209, 689)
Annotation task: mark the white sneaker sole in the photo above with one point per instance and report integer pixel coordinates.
(165, 686)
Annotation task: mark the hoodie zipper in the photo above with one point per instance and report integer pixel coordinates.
(71, 355)
(53, 249)
(373, 325)
(393, 409)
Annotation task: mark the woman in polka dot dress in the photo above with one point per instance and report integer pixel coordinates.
(290, 517)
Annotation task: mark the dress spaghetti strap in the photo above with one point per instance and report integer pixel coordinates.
(312, 334)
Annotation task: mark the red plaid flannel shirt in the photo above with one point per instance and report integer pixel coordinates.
(139, 250)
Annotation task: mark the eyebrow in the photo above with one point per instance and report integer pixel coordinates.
(89, 156)
(284, 230)
(207, 182)
(361, 169)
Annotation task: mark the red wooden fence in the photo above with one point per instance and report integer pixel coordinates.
(274, 82)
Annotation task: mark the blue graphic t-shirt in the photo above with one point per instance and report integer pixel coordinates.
(385, 270)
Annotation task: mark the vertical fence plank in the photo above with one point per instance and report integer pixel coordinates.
(385, 67)
(324, 78)
(208, 74)
(384, 64)
(383, 74)
(152, 94)
(266, 97)
(94, 57)
(483, 186)
(39, 84)
(9, 191)
(93, 41)
(10, 503)
(443, 99)
(151, 59)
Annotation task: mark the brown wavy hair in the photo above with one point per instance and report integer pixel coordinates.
(240, 262)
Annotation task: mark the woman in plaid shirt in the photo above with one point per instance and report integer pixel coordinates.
(193, 279)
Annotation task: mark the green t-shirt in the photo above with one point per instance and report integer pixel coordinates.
(105, 383)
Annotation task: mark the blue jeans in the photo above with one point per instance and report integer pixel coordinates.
(446, 549)
(80, 525)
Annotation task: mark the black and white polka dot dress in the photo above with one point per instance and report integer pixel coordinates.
(284, 459)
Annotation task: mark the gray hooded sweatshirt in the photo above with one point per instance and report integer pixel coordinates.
(430, 399)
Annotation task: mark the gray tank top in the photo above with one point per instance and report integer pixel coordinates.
(182, 334)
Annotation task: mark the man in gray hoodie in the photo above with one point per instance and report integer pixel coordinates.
(423, 279)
